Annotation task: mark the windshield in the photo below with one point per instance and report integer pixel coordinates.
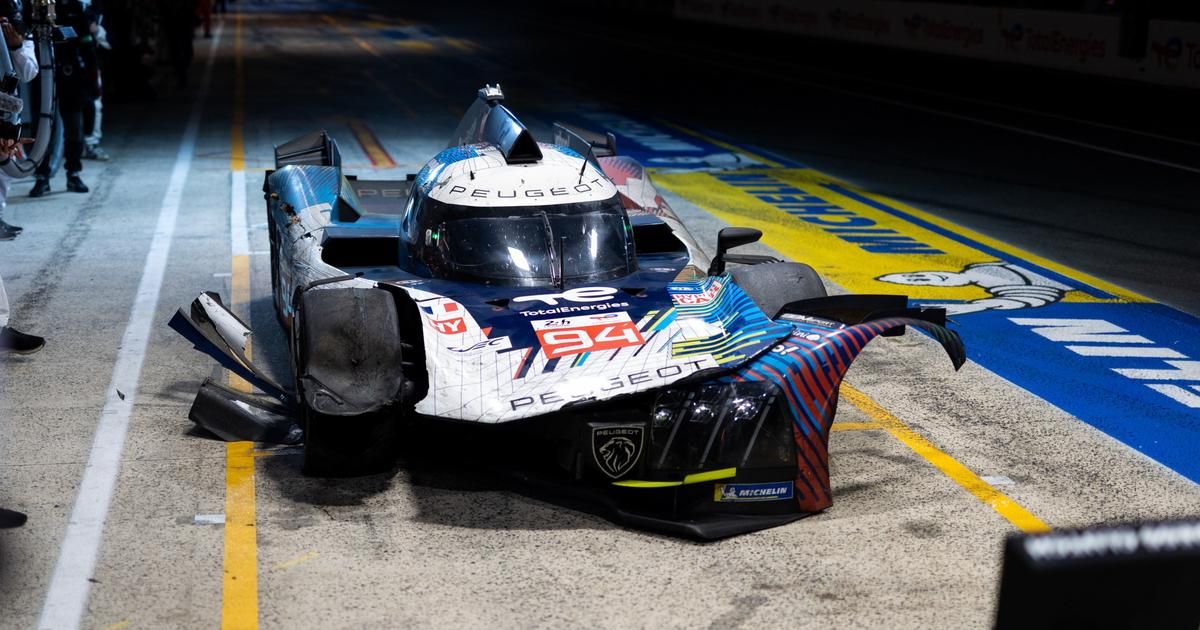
(543, 245)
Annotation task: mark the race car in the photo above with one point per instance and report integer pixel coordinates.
(540, 306)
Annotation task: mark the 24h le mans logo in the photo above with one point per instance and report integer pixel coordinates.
(617, 449)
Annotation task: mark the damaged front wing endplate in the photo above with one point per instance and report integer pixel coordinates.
(227, 413)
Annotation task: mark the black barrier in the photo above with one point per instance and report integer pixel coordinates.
(1138, 575)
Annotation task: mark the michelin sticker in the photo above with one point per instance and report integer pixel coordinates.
(774, 491)
(1011, 286)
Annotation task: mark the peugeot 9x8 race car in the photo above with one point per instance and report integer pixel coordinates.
(544, 296)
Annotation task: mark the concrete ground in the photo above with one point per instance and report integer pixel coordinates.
(904, 545)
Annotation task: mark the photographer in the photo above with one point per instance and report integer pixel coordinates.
(25, 66)
(74, 60)
(13, 341)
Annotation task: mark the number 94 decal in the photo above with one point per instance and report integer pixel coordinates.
(565, 336)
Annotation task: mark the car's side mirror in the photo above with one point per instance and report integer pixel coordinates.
(727, 239)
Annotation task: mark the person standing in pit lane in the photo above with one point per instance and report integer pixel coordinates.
(73, 60)
(25, 66)
(13, 341)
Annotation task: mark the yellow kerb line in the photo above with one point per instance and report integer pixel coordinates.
(239, 591)
(1021, 518)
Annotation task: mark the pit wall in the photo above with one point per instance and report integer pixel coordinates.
(1064, 41)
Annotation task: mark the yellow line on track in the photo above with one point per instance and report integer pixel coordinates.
(1021, 518)
(362, 43)
(856, 426)
(295, 561)
(239, 591)
(239, 601)
(370, 144)
(411, 78)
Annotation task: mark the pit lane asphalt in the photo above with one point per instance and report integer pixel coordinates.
(903, 545)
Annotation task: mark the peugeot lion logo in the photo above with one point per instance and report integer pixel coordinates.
(616, 449)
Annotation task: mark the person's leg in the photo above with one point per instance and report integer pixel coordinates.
(89, 117)
(49, 164)
(73, 147)
(204, 7)
(14, 341)
(97, 132)
(93, 111)
(7, 230)
(3, 305)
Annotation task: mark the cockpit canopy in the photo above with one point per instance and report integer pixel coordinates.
(543, 245)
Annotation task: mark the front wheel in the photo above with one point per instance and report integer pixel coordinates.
(349, 446)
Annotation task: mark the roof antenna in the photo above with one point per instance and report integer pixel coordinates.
(591, 146)
(562, 255)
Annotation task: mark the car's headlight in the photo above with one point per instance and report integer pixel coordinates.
(718, 425)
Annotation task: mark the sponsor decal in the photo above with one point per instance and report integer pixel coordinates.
(1170, 373)
(578, 300)
(562, 310)
(845, 20)
(809, 319)
(1012, 34)
(1067, 45)
(616, 449)
(445, 316)
(1017, 36)
(695, 299)
(528, 193)
(1009, 286)
(832, 218)
(635, 381)
(586, 333)
(737, 492)
(494, 344)
(581, 294)
(943, 30)
(386, 193)
(799, 17)
(1170, 52)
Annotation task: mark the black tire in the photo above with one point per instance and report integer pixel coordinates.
(773, 285)
(343, 446)
(349, 446)
(275, 296)
(356, 442)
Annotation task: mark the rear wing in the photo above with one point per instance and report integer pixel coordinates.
(313, 149)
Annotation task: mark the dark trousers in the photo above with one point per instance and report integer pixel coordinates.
(88, 114)
(72, 125)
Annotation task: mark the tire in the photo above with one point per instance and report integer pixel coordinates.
(278, 301)
(349, 446)
(343, 446)
(362, 439)
(773, 285)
